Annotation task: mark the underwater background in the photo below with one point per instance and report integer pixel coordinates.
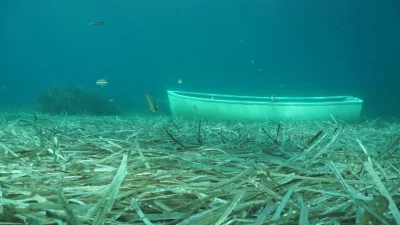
(251, 47)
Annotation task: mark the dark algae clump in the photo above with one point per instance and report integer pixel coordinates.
(74, 100)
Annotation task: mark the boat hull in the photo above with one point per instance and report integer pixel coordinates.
(191, 105)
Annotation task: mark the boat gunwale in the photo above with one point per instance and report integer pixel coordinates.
(347, 100)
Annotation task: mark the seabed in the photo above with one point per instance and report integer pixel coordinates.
(163, 170)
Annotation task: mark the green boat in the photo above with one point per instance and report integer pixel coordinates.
(191, 105)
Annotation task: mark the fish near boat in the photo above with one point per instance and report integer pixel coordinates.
(102, 82)
(254, 108)
(152, 104)
(96, 23)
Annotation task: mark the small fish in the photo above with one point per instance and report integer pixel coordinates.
(180, 81)
(272, 98)
(152, 104)
(195, 108)
(102, 82)
(96, 23)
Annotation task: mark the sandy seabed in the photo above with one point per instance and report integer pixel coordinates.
(164, 170)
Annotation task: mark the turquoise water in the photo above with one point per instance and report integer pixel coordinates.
(251, 47)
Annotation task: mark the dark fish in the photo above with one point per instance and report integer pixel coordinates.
(96, 23)
(152, 104)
